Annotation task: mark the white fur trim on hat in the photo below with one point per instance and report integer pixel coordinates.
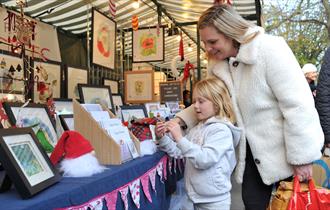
(83, 166)
(308, 67)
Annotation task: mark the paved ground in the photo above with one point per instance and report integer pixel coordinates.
(236, 203)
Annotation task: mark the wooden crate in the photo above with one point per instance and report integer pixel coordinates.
(107, 150)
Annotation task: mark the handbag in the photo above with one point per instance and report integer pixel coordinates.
(313, 199)
(281, 197)
(321, 170)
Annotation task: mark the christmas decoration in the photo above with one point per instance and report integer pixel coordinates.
(181, 50)
(135, 23)
(112, 8)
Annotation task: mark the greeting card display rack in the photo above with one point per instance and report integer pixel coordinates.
(107, 150)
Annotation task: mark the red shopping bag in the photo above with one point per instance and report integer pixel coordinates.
(314, 199)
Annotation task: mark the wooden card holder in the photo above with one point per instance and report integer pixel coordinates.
(106, 148)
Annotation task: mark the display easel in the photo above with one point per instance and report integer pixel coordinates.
(107, 150)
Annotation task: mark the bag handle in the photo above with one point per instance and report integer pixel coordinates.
(296, 184)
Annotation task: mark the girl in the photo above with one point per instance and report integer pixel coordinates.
(208, 147)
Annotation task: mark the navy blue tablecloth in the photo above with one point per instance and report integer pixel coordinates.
(76, 191)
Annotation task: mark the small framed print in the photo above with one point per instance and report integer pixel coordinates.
(139, 86)
(136, 111)
(150, 107)
(67, 122)
(63, 105)
(92, 94)
(25, 162)
(75, 76)
(37, 117)
(114, 85)
(117, 100)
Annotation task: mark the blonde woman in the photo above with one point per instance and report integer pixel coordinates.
(208, 147)
(281, 135)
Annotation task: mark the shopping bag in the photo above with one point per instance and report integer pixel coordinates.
(313, 199)
(281, 197)
(321, 171)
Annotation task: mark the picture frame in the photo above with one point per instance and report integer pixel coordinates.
(94, 94)
(139, 86)
(25, 162)
(138, 111)
(117, 100)
(37, 117)
(174, 106)
(148, 44)
(114, 85)
(153, 106)
(103, 40)
(74, 77)
(12, 69)
(67, 122)
(47, 77)
(63, 105)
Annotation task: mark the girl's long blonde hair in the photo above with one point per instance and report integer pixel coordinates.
(227, 22)
(215, 90)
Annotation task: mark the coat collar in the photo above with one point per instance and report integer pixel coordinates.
(248, 52)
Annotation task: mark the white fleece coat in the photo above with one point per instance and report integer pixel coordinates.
(273, 106)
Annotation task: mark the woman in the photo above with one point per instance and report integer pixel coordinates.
(282, 135)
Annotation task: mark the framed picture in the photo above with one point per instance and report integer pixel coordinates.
(103, 40)
(63, 106)
(25, 162)
(148, 44)
(47, 79)
(139, 86)
(117, 100)
(92, 94)
(12, 74)
(67, 121)
(174, 106)
(152, 106)
(114, 85)
(137, 111)
(74, 77)
(38, 118)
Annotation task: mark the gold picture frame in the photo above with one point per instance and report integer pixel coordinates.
(139, 86)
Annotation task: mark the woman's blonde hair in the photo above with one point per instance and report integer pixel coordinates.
(227, 22)
(215, 90)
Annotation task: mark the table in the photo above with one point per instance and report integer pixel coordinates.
(76, 191)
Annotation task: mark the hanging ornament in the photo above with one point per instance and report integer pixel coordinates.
(216, 2)
(112, 8)
(181, 50)
(135, 23)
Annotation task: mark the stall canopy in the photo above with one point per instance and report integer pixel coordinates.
(74, 16)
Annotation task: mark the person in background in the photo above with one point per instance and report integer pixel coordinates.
(281, 132)
(186, 98)
(310, 72)
(322, 100)
(208, 147)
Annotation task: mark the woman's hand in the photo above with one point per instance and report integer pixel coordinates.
(160, 129)
(175, 130)
(304, 172)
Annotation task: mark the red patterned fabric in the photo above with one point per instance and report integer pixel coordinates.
(140, 128)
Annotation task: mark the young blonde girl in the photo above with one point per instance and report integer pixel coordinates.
(208, 147)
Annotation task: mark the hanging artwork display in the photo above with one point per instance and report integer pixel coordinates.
(38, 118)
(104, 40)
(11, 74)
(47, 83)
(148, 44)
(74, 77)
(139, 86)
(114, 85)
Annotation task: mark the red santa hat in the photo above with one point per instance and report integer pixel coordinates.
(76, 152)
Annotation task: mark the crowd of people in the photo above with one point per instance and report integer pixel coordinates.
(256, 114)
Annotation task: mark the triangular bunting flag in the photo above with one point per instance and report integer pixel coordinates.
(134, 188)
(170, 165)
(145, 186)
(96, 204)
(123, 192)
(159, 168)
(111, 200)
(164, 160)
(152, 176)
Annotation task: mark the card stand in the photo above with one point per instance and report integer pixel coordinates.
(106, 148)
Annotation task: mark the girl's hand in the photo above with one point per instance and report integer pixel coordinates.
(160, 129)
(175, 130)
(304, 172)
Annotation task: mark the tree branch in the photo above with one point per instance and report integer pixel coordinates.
(318, 22)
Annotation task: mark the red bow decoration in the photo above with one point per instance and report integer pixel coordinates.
(187, 67)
